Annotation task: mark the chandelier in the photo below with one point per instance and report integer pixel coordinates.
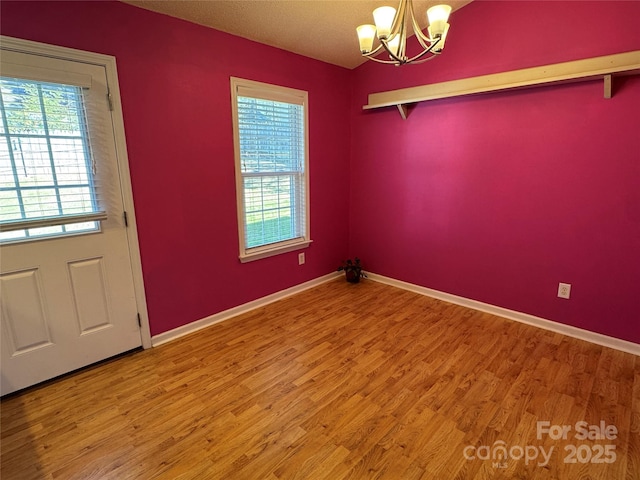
(391, 27)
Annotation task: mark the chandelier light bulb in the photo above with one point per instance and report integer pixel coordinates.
(366, 34)
(438, 17)
(443, 36)
(383, 18)
(394, 44)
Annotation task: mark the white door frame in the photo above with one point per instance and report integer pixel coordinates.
(109, 63)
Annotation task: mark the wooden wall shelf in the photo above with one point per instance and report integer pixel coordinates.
(604, 68)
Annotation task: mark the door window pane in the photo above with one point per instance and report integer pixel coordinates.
(45, 164)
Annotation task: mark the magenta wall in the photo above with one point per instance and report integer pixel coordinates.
(496, 197)
(499, 197)
(174, 82)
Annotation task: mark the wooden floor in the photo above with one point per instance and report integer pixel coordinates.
(342, 381)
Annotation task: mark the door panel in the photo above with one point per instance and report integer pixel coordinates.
(68, 301)
(89, 290)
(23, 311)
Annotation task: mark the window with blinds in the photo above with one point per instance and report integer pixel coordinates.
(46, 166)
(270, 129)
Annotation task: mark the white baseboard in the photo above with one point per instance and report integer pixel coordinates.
(571, 331)
(240, 309)
(575, 332)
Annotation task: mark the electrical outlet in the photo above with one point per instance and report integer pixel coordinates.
(301, 258)
(564, 290)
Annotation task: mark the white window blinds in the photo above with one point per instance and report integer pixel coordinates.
(47, 170)
(271, 167)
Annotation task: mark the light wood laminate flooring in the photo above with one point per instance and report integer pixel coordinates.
(338, 382)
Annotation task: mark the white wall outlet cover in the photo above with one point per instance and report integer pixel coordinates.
(564, 290)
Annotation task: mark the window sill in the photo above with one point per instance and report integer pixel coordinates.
(271, 250)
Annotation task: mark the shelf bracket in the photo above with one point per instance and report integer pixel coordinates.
(607, 86)
(404, 110)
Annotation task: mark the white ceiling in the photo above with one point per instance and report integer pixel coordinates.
(320, 29)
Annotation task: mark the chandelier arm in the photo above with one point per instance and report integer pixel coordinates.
(422, 54)
(402, 46)
(418, 62)
(388, 62)
(375, 51)
(371, 55)
(421, 37)
(422, 42)
(396, 58)
(398, 20)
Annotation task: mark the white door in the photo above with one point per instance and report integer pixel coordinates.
(66, 281)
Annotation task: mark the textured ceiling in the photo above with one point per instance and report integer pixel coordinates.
(320, 29)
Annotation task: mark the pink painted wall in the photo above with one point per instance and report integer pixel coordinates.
(499, 197)
(496, 197)
(174, 81)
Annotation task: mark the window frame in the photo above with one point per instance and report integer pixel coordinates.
(281, 94)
